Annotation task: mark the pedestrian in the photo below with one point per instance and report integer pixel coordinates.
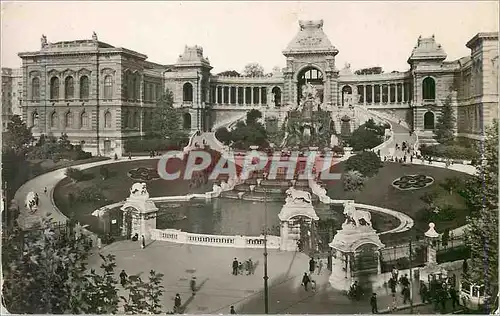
(129, 156)
(312, 265)
(373, 303)
(235, 266)
(192, 285)
(231, 310)
(320, 266)
(406, 294)
(143, 242)
(99, 242)
(45, 190)
(404, 280)
(378, 152)
(394, 304)
(123, 278)
(404, 159)
(305, 280)
(250, 266)
(454, 297)
(411, 159)
(392, 285)
(116, 156)
(424, 293)
(395, 273)
(430, 160)
(177, 303)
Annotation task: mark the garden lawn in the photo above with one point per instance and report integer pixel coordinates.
(116, 188)
(378, 191)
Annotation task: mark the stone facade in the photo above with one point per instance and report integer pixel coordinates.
(12, 89)
(120, 106)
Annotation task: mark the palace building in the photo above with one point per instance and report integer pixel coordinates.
(101, 95)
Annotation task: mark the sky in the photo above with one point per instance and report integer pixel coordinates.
(233, 34)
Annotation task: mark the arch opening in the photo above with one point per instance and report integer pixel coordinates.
(187, 92)
(428, 89)
(186, 121)
(313, 76)
(429, 120)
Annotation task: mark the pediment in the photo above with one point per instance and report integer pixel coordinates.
(310, 39)
(108, 71)
(84, 71)
(68, 72)
(53, 72)
(35, 73)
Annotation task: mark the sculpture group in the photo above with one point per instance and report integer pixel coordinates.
(354, 216)
(139, 190)
(297, 196)
(32, 201)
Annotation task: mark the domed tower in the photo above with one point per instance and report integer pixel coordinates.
(310, 60)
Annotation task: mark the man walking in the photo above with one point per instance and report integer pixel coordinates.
(143, 242)
(192, 285)
(320, 266)
(231, 310)
(305, 281)
(177, 303)
(312, 265)
(235, 266)
(373, 303)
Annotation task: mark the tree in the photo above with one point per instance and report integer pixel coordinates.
(143, 297)
(451, 184)
(482, 232)
(367, 136)
(369, 71)
(223, 135)
(445, 123)
(253, 116)
(253, 70)
(166, 123)
(18, 137)
(229, 73)
(366, 162)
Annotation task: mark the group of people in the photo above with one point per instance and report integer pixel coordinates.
(440, 292)
(406, 150)
(314, 265)
(239, 267)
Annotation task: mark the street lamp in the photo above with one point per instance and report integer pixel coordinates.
(266, 290)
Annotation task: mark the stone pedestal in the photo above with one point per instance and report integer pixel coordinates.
(141, 211)
(344, 246)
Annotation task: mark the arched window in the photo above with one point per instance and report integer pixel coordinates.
(187, 92)
(54, 88)
(84, 120)
(138, 88)
(68, 119)
(34, 119)
(429, 120)
(132, 88)
(107, 119)
(276, 91)
(108, 87)
(54, 120)
(84, 88)
(35, 89)
(69, 88)
(346, 95)
(125, 86)
(186, 121)
(428, 89)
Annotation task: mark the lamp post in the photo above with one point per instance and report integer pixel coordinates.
(266, 290)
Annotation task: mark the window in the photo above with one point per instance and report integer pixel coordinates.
(138, 88)
(35, 89)
(428, 89)
(69, 88)
(107, 119)
(125, 86)
(108, 87)
(276, 91)
(53, 120)
(429, 120)
(132, 88)
(135, 122)
(187, 92)
(68, 119)
(34, 119)
(84, 88)
(186, 121)
(54, 88)
(84, 120)
(125, 119)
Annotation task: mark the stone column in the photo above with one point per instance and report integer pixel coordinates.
(244, 95)
(216, 99)
(364, 95)
(348, 266)
(403, 92)
(379, 267)
(373, 94)
(251, 96)
(389, 93)
(381, 90)
(229, 95)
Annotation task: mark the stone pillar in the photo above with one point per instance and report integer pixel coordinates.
(244, 95)
(389, 93)
(380, 95)
(364, 95)
(251, 96)
(379, 258)
(403, 92)
(348, 265)
(216, 97)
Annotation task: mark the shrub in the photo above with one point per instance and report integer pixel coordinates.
(353, 180)
(338, 150)
(104, 172)
(453, 254)
(223, 135)
(74, 174)
(362, 139)
(366, 162)
(147, 145)
(449, 151)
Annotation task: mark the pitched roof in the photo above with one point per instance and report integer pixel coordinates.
(427, 49)
(310, 39)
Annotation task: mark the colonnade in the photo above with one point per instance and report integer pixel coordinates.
(384, 93)
(254, 95)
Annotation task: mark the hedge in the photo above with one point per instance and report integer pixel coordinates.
(146, 145)
(449, 151)
(453, 254)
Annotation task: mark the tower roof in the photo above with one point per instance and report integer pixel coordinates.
(427, 49)
(310, 39)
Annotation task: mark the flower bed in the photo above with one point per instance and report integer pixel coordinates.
(412, 182)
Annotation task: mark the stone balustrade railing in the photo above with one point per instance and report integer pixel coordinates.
(178, 236)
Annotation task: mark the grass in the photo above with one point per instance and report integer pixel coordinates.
(378, 191)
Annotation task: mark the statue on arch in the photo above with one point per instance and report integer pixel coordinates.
(139, 190)
(94, 36)
(294, 196)
(354, 216)
(43, 41)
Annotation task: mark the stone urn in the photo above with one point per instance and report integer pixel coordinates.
(252, 188)
(293, 181)
(240, 195)
(259, 181)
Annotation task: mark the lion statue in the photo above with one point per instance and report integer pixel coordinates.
(139, 190)
(32, 201)
(294, 195)
(355, 216)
